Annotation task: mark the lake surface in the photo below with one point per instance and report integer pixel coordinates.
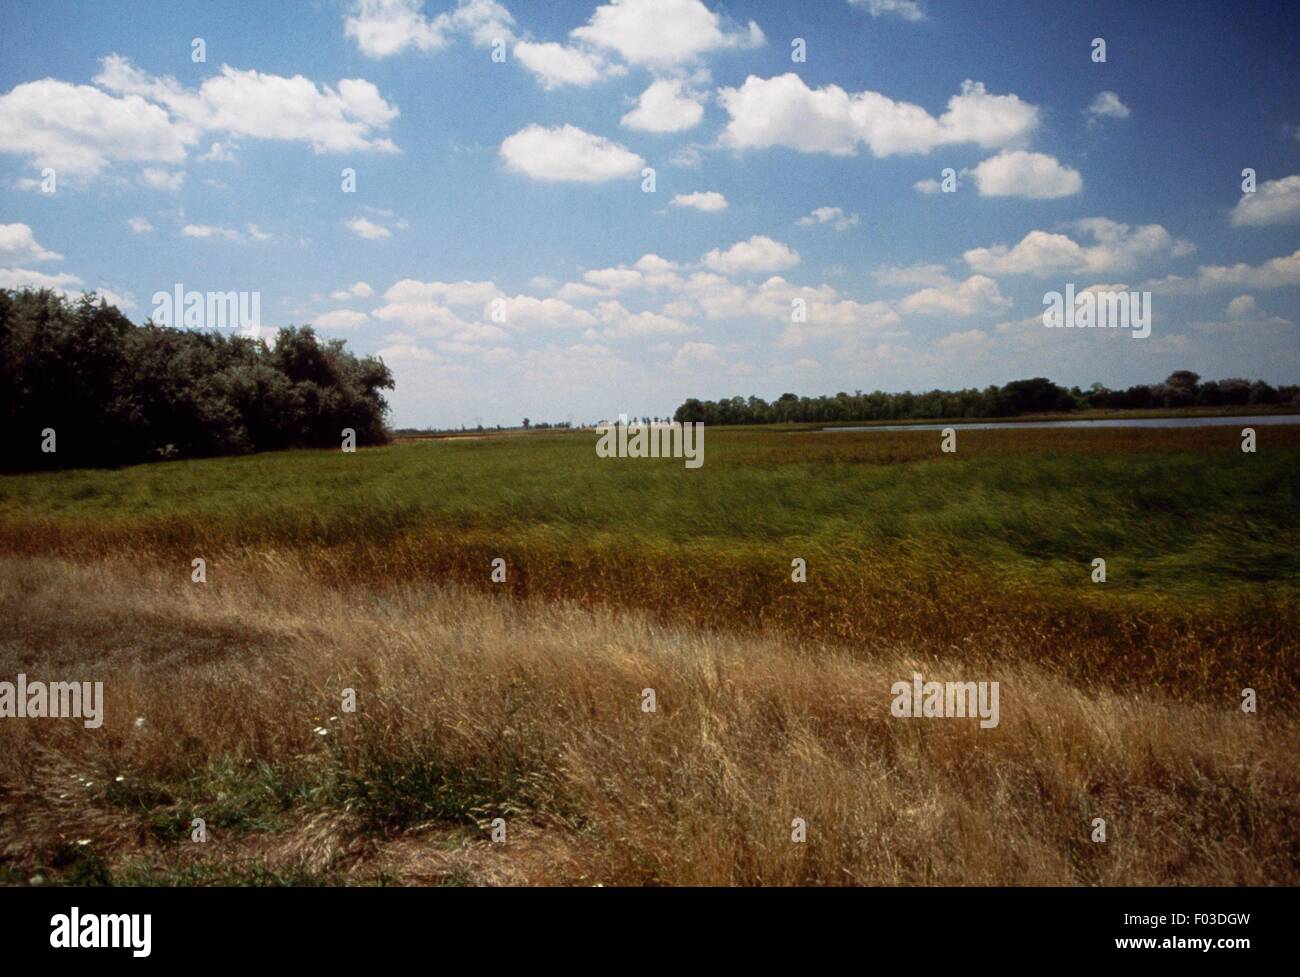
(1242, 420)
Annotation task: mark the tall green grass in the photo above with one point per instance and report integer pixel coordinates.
(1174, 512)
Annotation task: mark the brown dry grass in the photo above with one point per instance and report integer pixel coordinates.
(472, 706)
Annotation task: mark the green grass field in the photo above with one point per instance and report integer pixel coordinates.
(1174, 513)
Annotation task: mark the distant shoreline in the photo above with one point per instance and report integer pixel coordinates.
(1137, 414)
(1238, 410)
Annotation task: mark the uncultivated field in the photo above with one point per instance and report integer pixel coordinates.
(522, 700)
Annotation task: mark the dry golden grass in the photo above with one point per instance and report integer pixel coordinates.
(473, 706)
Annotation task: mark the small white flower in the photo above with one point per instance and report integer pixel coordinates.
(321, 731)
(139, 722)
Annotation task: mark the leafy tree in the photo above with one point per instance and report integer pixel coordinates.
(116, 393)
(1034, 395)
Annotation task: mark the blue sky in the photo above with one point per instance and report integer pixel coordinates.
(501, 254)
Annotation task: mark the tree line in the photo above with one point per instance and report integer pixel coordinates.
(1037, 395)
(78, 377)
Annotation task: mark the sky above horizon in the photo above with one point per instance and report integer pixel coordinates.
(501, 252)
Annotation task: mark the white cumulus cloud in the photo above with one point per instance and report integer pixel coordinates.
(708, 201)
(905, 9)
(666, 106)
(1273, 202)
(135, 117)
(663, 33)
(1035, 176)
(1108, 106)
(784, 111)
(368, 229)
(834, 216)
(23, 278)
(251, 103)
(78, 129)
(386, 27)
(360, 290)
(18, 243)
(556, 65)
(758, 254)
(1117, 247)
(977, 294)
(567, 154)
(1277, 272)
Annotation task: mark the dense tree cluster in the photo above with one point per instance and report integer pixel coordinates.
(115, 393)
(1034, 396)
